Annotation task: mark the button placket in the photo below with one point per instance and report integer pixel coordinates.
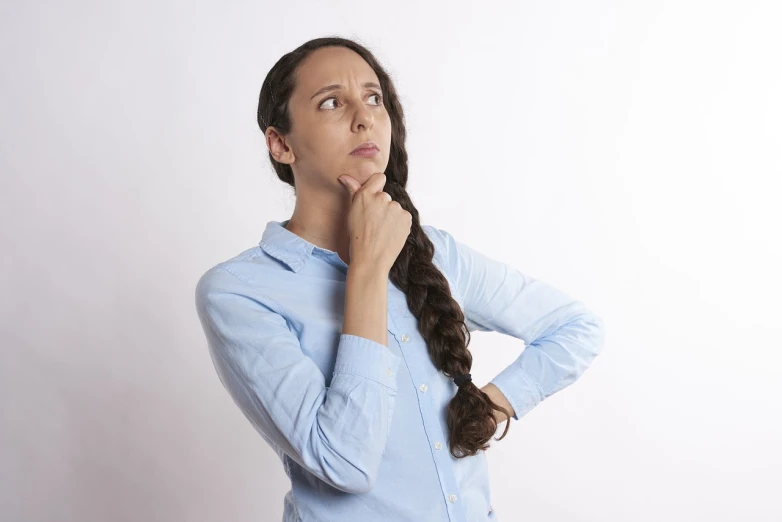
(404, 338)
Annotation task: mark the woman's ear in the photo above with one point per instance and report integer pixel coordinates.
(278, 146)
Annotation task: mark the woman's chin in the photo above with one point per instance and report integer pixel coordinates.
(368, 167)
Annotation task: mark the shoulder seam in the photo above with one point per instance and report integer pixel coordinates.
(439, 253)
(274, 304)
(434, 239)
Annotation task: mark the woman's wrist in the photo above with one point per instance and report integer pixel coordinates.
(499, 399)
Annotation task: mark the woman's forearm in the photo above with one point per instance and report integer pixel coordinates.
(366, 303)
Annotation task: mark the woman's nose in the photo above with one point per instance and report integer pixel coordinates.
(363, 117)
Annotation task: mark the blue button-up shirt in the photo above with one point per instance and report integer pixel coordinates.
(360, 427)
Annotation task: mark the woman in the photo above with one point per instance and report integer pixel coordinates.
(360, 385)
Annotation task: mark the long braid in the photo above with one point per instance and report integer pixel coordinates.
(441, 323)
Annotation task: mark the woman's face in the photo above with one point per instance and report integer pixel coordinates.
(327, 124)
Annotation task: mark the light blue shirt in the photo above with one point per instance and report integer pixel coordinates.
(360, 427)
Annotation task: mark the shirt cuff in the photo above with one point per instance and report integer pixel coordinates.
(519, 388)
(366, 358)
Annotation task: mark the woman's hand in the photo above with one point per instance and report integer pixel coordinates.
(378, 225)
(498, 398)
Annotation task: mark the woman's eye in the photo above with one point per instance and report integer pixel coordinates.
(326, 100)
(376, 95)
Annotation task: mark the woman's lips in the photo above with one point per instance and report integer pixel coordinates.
(368, 152)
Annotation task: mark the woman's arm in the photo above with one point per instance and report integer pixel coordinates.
(338, 433)
(366, 303)
(561, 334)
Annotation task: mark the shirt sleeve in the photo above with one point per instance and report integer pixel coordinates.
(562, 336)
(337, 433)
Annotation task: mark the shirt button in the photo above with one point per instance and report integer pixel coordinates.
(452, 497)
(405, 338)
(390, 373)
(437, 445)
(422, 387)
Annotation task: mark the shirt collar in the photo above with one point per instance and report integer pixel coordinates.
(292, 250)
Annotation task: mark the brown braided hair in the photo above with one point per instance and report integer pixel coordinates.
(471, 421)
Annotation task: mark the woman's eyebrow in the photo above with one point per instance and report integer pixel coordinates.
(335, 86)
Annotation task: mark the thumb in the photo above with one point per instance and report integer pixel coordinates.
(350, 184)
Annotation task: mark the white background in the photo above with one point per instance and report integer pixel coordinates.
(629, 153)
